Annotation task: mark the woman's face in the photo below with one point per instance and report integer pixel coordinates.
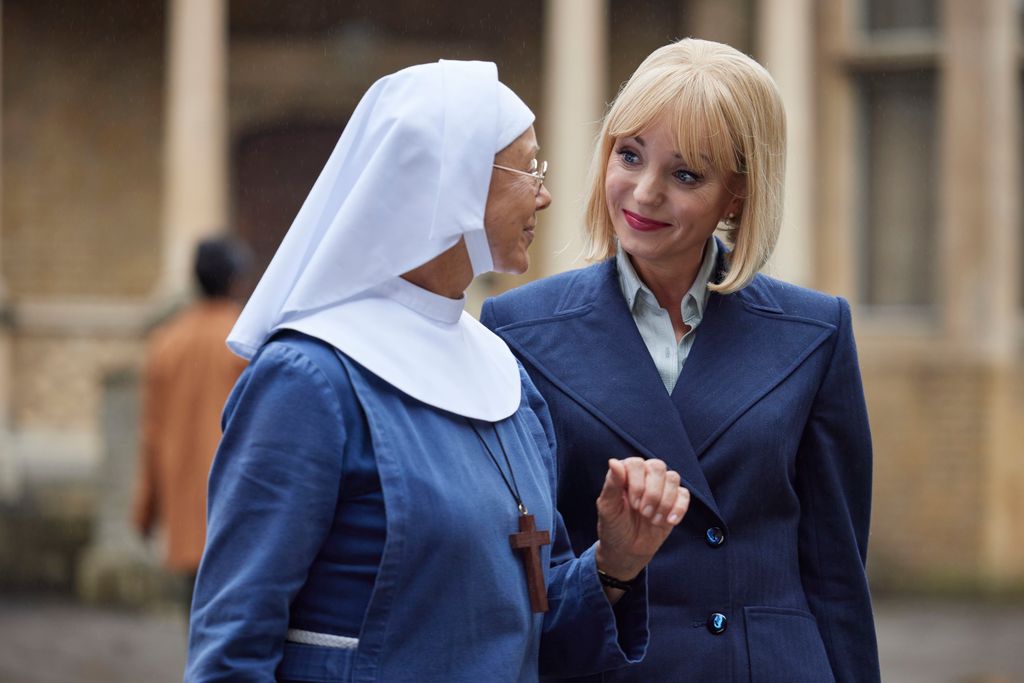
(663, 212)
(513, 201)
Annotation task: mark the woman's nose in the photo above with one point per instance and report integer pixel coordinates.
(543, 198)
(647, 189)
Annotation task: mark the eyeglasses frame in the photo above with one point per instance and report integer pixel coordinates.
(538, 171)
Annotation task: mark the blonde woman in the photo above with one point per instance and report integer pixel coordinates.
(673, 346)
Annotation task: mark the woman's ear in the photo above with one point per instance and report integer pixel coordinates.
(738, 189)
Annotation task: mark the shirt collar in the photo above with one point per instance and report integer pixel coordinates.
(434, 306)
(697, 296)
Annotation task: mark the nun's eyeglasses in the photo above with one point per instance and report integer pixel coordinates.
(538, 170)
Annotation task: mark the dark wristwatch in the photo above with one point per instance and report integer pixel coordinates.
(612, 582)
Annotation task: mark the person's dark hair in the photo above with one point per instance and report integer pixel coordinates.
(219, 263)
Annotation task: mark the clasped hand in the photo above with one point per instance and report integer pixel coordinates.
(640, 503)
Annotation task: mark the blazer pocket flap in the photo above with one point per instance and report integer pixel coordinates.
(785, 645)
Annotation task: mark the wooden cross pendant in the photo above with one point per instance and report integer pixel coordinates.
(528, 542)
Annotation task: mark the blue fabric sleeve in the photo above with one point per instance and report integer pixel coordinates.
(487, 318)
(834, 484)
(272, 495)
(583, 633)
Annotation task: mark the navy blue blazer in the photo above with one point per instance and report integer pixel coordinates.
(764, 580)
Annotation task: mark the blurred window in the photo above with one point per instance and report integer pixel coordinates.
(900, 15)
(897, 76)
(894, 65)
(899, 176)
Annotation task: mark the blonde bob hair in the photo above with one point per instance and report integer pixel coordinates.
(726, 113)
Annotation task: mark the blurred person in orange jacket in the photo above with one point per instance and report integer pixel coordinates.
(188, 375)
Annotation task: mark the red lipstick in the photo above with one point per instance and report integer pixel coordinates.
(638, 222)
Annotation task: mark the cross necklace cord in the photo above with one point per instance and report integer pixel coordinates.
(529, 540)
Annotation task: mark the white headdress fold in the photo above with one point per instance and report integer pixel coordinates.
(408, 178)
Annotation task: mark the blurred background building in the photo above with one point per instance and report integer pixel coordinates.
(132, 128)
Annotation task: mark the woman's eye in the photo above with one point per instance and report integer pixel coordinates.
(628, 156)
(688, 177)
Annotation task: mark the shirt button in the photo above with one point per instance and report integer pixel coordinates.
(714, 536)
(717, 623)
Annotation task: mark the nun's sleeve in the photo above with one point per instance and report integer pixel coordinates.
(583, 633)
(272, 496)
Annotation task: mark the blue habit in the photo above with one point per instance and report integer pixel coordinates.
(290, 539)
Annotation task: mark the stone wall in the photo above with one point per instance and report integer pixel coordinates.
(59, 378)
(82, 137)
(943, 453)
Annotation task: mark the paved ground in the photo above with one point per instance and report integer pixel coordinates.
(920, 642)
(60, 643)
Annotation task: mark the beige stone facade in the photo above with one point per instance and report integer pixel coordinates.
(132, 128)
(920, 170)
(81, 150)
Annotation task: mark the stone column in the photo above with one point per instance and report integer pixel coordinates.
(575, 94)
(980, 225)
(786, 48)
(8, 470)
(116, 567)
(980, 255)
(196, 144)
(8, 464)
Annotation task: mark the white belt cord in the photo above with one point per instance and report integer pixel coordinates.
(295, 635)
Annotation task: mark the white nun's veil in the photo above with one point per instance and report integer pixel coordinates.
(408, 178)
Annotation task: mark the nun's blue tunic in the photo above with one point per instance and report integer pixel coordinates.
(293, 543)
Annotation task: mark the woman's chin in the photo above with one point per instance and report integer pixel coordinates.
(636, 245)
(519, 268)
(516, 265)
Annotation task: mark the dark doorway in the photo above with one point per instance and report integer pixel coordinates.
(274, 169)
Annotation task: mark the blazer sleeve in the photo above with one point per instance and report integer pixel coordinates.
(583, 633)
(833, 480)
(272, 495)
(487, 315)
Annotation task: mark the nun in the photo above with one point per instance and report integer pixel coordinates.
(381, 506)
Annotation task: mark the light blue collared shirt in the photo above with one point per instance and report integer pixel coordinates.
(653, 321)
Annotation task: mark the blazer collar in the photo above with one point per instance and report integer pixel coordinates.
(745, 347)
(606, 368)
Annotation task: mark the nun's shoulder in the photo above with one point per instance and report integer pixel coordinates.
(548, 296)
(291, 357)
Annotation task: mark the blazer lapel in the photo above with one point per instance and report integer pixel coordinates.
(745, 346)
(592, 350)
